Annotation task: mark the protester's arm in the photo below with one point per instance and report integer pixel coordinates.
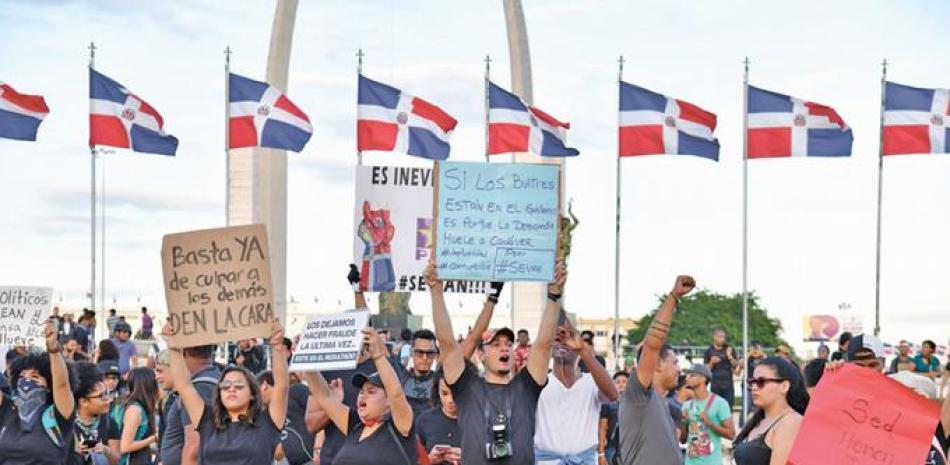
(453, 362)
(659, 330)
(191, 401)
(315, 418)
(602, 440)
(399, 406)
(353, 277)
(62, 393)
(278, 354)
(540, 355)
(484, 319)
(134, 358)
(131, 421)
(111, 451)
(725, 429)
(333, 408)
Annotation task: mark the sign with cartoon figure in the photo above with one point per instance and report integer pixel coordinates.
(392, 226)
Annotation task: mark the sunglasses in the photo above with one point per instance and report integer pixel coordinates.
(226, 385)
(425, 353)
(761, 382)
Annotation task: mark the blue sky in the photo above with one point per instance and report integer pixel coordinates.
(812, 222)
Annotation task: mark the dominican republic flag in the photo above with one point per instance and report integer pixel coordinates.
(259, 115)
(393, 121)
(20, 114)
(654, 124)
(515, 126)
(916, 120)
(119, 118)
(784, 126)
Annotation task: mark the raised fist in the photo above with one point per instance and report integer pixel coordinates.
(684, 285)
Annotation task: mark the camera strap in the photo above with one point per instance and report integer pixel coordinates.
(492, 409)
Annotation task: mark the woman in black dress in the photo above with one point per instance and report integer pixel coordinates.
(779, 395)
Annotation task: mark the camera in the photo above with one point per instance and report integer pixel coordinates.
(499, 447)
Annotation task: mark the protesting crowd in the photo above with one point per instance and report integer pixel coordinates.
(431, 398)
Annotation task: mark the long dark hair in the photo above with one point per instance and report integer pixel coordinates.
(107, 351)
(797, 396)
(143, 390)
(219, 414)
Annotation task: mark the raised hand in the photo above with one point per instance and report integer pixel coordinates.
(354, 277)
(375, 347)
(52, 341)
(560, 277)
(432, 279)
(684, 285)
(336, 388)
(570, 338)
(276, 333)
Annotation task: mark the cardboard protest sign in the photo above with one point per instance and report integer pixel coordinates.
(497, 222)
(392, 225)
(23, 314)
(217, 285)
(330, 342)
(858, 416)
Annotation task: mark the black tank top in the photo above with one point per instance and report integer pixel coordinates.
(756, 451)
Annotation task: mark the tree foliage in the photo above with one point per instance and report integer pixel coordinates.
(701, 312)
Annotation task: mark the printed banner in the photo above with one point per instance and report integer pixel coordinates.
(392, 224)
(858, 416)
(497, 222)
(820, 327)
(217, 285)
(330, 342)
(23, 314)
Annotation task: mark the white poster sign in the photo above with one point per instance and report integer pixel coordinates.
(23, 314)
(392, 225)
(330, 342)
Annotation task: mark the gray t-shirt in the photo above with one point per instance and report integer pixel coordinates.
(479, 402)
(647, 435)
(173, 439)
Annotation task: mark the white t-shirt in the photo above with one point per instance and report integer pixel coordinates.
(567, 419)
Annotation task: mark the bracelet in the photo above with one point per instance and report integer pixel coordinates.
(493, 298)
(554, 297)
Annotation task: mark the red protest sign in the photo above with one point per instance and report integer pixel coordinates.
(858, 416)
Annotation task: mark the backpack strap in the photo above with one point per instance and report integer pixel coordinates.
(51, 426)
(712, 397)
(205, 379)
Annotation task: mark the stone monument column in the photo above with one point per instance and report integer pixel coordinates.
(257, 179)
(527, 299)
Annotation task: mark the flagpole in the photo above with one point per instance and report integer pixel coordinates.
(359, 73)
(92, 199)
(487, 80)
(616, 336)
(102, 236)
(880, 188)
(745, 235)
(227, 135)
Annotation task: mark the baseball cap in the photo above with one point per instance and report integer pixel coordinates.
(109, 367)
(700, 369)
(360, 379)
(918, 383)
(490, 335)
(865, 347)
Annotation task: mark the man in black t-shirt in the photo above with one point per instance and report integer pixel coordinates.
(496, 414)
(843, 341)
(180, 443)
(249, 354)
(720, 358)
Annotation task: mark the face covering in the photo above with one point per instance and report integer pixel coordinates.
(30, 400)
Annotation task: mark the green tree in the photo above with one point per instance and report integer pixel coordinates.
(703, 311)
(394, 303)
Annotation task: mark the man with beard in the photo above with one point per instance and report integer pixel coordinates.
(903, 361)
(497, 413)
(569, 406)
(647, 433)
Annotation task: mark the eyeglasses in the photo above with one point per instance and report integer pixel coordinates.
(425, 353)
(761, 382)
(104, 395)
(237, 385)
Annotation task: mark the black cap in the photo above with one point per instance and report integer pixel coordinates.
(109, 367)
(360, 379)
(492, 334)
(865, 347)
(123, 326)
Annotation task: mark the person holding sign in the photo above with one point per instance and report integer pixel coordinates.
(779, 395)
(237, 429)
(380, 429)
(37, 427)
(497, 414)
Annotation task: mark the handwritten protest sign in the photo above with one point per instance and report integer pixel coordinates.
(392, 230)
(497, 222)
(217, 285)
(23, 314)
(330, 342)
(858, 416)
